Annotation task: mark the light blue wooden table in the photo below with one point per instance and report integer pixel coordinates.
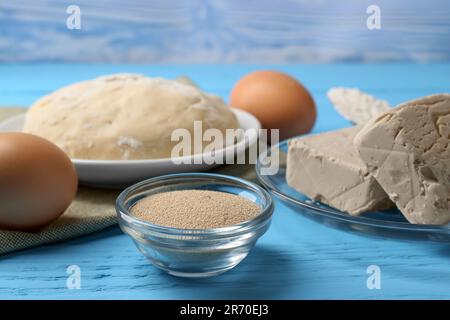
(296, 259)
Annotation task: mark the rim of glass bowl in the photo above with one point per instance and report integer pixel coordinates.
(245, 226)
(336, 214)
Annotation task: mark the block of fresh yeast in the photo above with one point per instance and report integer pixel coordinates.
(326, 167)
(407, 150)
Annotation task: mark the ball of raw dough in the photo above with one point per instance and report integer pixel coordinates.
(124, 116)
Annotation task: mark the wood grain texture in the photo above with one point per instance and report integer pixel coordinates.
(296, 259)
(224, 31)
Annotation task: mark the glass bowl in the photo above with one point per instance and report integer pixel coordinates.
(194, 252)
(388, 223)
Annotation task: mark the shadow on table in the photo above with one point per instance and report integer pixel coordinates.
(266, 273)
(443, 250)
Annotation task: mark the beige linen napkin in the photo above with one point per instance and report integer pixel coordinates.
(91, 211)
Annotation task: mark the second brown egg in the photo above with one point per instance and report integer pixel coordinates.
(278, 100)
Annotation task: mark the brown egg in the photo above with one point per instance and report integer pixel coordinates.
(277, 100)
(37, 181)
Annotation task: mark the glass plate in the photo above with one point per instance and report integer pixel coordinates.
(389, 223)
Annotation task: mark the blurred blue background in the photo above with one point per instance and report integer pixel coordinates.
(224, 31)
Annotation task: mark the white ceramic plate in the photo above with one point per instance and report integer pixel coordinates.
(120, 173)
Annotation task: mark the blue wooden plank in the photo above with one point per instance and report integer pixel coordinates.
(23, 83)
(296, 259)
